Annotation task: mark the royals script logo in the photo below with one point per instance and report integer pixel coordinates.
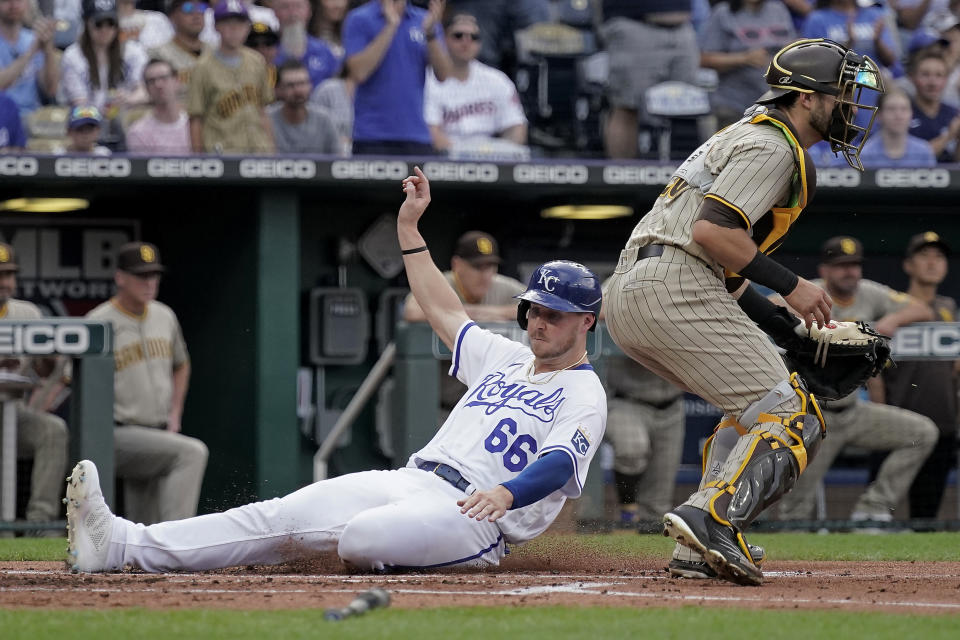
(495, 394)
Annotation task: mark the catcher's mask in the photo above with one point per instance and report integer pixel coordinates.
(563, 286)
(824, 66)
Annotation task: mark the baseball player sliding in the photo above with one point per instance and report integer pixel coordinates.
(680, 303)
(498, 471)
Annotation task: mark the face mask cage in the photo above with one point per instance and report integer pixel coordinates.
(847, 131)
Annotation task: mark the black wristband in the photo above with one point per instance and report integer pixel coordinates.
(407, 252)
(774, 320)
(763, 270)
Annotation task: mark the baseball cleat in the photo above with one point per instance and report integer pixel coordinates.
(719, 545)
(700, 570)
(89, 520)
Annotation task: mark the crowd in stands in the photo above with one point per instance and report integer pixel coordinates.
(464, 78)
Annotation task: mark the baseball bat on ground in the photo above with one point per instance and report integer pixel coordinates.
(372, 599)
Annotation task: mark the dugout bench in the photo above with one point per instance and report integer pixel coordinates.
(90, 345)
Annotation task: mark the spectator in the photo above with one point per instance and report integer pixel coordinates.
(149, 28)
(327, 24)
(184, 49)
(739, 40)
(909, 437)
(12, 136)
(487, 296)
(297, 44)
(869, 30)
(28, 66)
(645, 425)
(161, 468)
(100, 70)
(388, 47)
(893, 146)
(933, 121)
(477, 102)
(335, 95)
(166, 128)
(229, 90)
(929, 387)
(84, 127)
(648, 42)
(265, 41)
(300, 126)
(40, 435)
(499, 20)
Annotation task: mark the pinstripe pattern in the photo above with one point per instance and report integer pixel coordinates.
(749, 166)
(673, 315)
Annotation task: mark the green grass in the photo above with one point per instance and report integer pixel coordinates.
(552, 623)
(779, 546)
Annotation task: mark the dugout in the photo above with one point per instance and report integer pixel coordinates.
(246, 240)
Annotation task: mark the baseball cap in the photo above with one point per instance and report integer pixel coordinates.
(840, 250)
(230, 9)
(262, 33)
(927, 239)
(923, 38)
(139, 257)
(8, 259)
(477, 248)
(98, 9)
(84, 114)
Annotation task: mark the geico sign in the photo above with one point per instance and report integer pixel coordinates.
(550, 174)
(92, 167)
(373, 170)
(461, 172)
(289, 169)
(184, 167)
(936, 178)
(16, 166)
(638, 175)
(838, 178)
(938, 340)
(39, 339)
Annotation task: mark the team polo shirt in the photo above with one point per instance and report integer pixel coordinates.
(11, 128)
(25, 91)
(389, 105)
(320, 61)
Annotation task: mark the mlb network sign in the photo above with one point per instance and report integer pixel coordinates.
(44, 337)
(927, 341)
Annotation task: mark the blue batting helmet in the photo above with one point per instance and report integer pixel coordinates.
(563, 286)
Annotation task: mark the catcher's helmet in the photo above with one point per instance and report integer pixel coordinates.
(563, 286)
(824, 66)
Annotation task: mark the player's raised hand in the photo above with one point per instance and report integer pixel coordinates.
(491, 504)
(812, 303)
(417, 190)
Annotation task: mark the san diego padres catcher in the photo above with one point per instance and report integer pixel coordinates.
(680, 302)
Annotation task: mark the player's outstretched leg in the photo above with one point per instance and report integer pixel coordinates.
(764, 465)
(89, 520)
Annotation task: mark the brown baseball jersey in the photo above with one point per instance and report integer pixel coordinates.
(182, 60)
(230, 97)
(755, 167)
(147, 349)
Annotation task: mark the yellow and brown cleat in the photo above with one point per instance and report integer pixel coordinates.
(719, 545)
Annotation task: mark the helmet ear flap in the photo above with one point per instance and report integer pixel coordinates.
(522, 313)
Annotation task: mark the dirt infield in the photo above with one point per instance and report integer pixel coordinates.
(914, 587)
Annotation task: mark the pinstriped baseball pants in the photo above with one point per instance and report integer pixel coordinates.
(672, 314)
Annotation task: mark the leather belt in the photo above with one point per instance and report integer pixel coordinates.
(446, 472)
(649, 251)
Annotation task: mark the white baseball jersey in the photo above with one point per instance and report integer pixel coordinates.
(483, 105)
(509, 417)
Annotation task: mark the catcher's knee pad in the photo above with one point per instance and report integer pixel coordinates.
(766, 462)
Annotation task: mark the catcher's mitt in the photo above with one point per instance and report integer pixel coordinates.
(836, 360)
